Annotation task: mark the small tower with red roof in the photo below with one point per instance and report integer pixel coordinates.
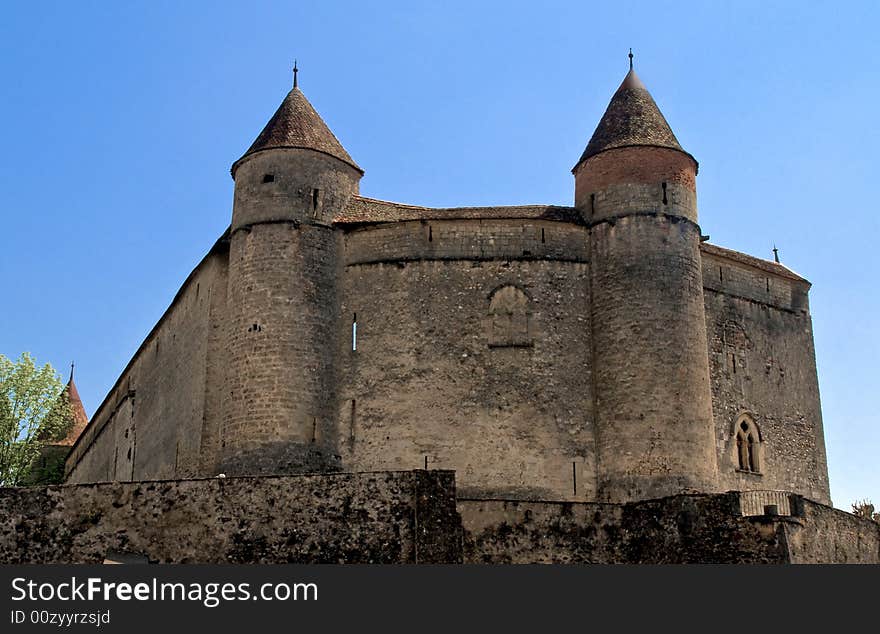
(635, 188)
(282, 295)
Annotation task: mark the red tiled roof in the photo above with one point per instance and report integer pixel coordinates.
(361, 210)
(296, 124)
(80, 419)
(632, 118)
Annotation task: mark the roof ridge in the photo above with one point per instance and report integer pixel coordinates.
(767, 265)
(390, 202)
(424, 208)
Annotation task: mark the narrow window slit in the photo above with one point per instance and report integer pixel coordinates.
(542, 236)
(665, 200)
(430, 234)
(354, 332)
(268, 178)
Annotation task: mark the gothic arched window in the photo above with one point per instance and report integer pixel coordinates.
(509, 318)
(748, 445)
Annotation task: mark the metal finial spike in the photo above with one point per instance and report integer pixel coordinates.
(776, 254)
(295, 71)
(630, 59)
(71, 370)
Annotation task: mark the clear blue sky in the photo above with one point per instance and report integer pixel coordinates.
(120, 122)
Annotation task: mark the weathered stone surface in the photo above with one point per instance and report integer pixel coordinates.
(763, 367)
(391, 517)
(677, 529)
(406, 517)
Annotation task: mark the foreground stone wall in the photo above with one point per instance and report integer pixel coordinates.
(676, 529)
(822, 534)
(406, 517)
(391, 517)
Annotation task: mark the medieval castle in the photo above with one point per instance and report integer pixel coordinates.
(602, 351)
(604, 354)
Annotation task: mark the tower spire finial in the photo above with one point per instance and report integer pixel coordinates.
(71, 370)
(630, 58)
(776, 254)
(295, 71)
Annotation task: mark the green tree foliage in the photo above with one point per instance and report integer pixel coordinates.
(34, 411)
(864, 508)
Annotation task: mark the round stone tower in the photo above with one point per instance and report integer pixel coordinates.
(282, 295)
(635, 187)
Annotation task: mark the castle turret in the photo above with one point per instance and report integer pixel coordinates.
(283, 296)
(78, 412)
(635, 187)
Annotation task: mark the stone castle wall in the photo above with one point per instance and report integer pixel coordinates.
(466, 239)
(503, 399)
(152, 423)
(473, 350)
(763, 366)
(672, 530)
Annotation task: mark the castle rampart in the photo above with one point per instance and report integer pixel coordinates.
(466, 239)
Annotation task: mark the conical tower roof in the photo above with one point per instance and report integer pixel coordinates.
(80, 419)
(631, 119)
(296, 124)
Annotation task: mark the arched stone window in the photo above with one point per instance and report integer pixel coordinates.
(509, 318)
(748, 445)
